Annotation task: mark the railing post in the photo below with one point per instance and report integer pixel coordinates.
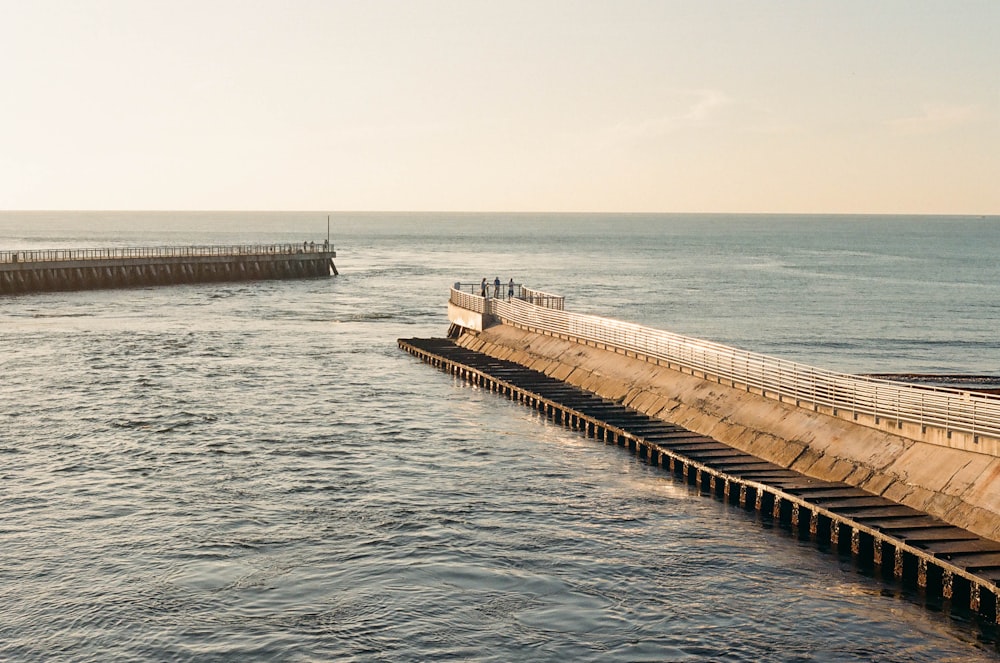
(814, 397)
(947, 416)
(922, 408)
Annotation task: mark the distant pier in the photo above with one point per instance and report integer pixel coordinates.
(24, 272)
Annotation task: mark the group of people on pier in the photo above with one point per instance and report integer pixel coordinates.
(484, 288)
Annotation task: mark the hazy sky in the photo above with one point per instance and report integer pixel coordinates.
(874, 106)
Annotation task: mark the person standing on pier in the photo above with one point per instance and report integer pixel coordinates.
(510, 290)
(482, 288)
(496, 287)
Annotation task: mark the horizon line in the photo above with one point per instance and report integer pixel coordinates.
(512, 212)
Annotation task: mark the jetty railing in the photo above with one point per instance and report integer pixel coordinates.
(124, 253)
(940, 407)
(467, 300)
(530, 295)
(543, 299)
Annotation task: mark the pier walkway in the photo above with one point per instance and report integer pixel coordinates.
(953, 567)
(87, 269)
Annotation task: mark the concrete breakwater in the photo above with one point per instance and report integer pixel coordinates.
(88, 269)
(934, 450)
(951, 567)
(914, 467)
(957, 485)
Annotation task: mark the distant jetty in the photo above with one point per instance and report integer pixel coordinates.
(91, 269)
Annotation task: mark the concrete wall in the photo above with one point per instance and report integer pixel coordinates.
(463, 317)
(956, 485)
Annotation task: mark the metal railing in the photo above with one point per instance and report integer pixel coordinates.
(491, 289)
(467, 300)
(125, 253)
(948, 409)
(470, 296)
(543, 299)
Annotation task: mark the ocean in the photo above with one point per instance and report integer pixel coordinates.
(254, 471)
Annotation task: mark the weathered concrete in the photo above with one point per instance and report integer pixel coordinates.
(955, 485)
(465, 318)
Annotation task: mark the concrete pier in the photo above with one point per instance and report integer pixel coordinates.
(953, 568)
(933, 449)
(900, 476)
(88, 269)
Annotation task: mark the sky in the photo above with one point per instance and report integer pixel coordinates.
(767, 106)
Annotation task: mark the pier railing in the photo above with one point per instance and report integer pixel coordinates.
(124, 253)
(465, 295)
(467, 300)
(543, 299)
(948, 409)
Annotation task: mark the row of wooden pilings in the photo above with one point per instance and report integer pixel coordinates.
(20, 278)
(885, 557)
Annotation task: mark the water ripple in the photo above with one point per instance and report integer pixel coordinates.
(255, 472)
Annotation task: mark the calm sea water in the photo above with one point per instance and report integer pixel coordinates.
(254, 471)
